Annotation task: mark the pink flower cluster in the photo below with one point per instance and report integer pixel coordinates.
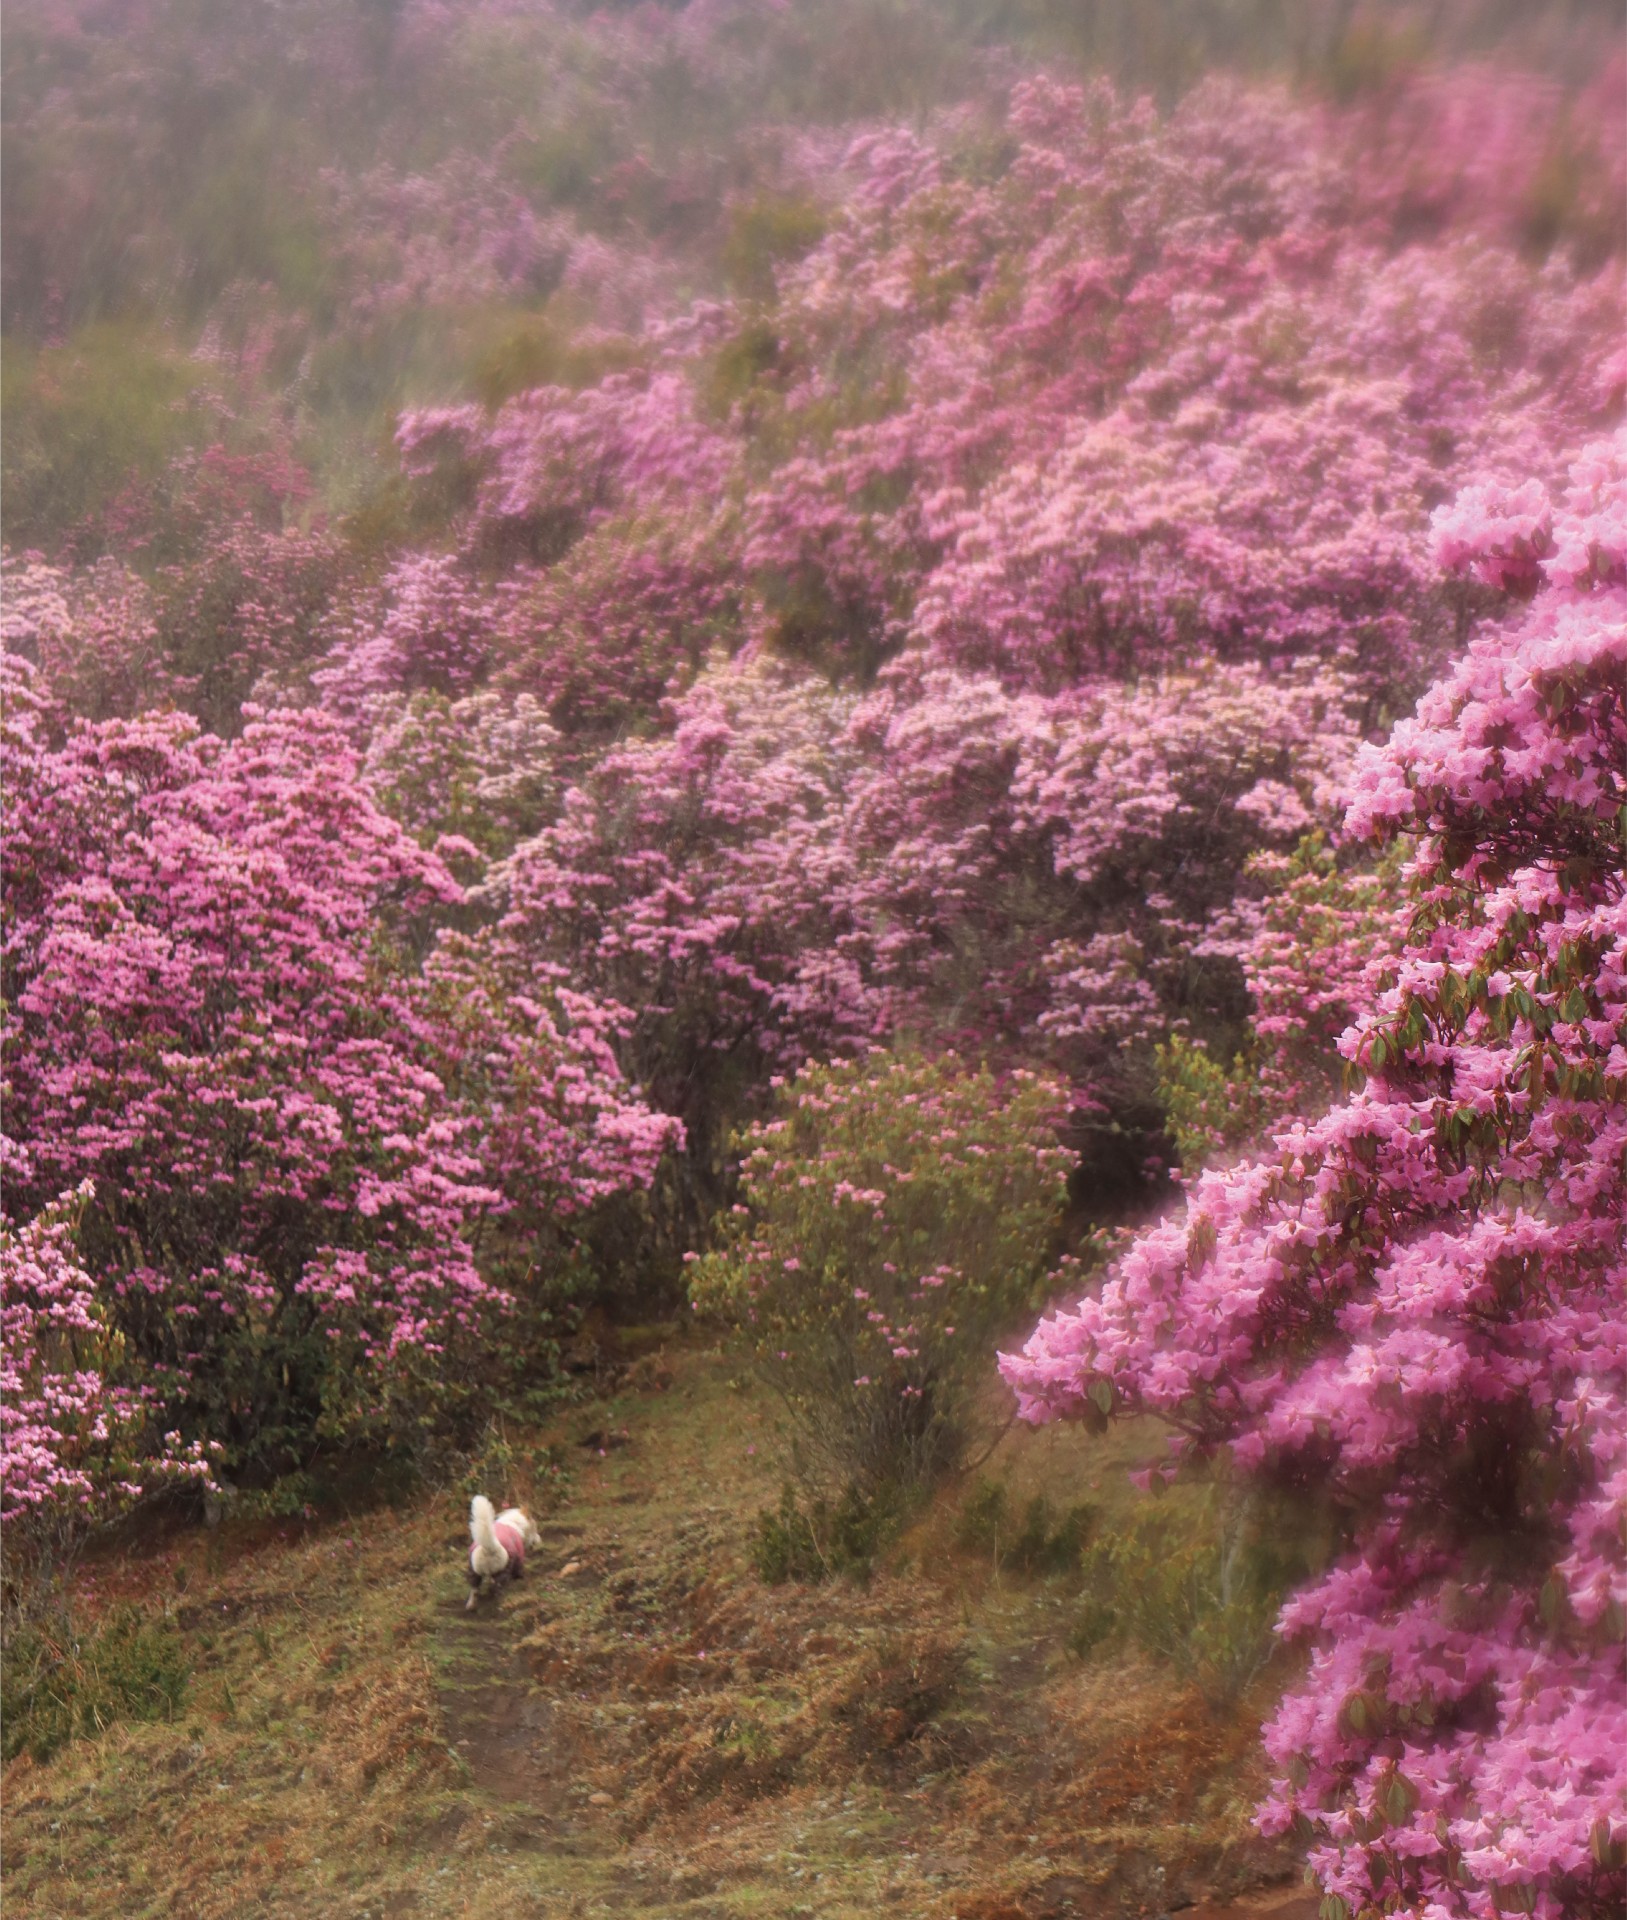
(1416, 1302)
(791, 872)
(71, 1440)
(1088, 501)
(229, 1009)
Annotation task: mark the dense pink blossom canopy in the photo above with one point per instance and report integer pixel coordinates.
(1419, 1301)
(220, 1027)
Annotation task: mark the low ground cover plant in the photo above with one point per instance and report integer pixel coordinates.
(1038, 1540)
(812, 1538)
(63, 1677)
(1198, 1589)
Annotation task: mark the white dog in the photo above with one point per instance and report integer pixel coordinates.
(499, 1543)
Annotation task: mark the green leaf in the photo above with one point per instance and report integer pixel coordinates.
(1553, 1603)
(1400, 1800)
(1610, 1852)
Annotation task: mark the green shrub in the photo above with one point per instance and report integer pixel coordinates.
(895, 1220)
(1198, 1591)
(1038, 1542)
(58, 1683)
(824, 1540)
(982, 1520)
(1208, 1108)
(1043, 1548)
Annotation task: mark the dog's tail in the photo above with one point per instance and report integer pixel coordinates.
(487, 1556)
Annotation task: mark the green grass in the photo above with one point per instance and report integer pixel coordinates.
(59, 1680)
(105, 410)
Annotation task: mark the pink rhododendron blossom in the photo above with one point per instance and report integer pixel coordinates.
(1415, 1303)
(294, 1128)
(76, 1444)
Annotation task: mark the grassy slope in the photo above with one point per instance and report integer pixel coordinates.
(642, 1726)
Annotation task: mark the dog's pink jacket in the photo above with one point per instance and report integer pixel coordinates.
(512, 1541)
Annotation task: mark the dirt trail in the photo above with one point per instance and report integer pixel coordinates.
(508, 1732)
(496, 1723)
(642, 1700)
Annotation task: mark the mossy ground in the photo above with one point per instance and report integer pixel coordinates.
(641, 1726)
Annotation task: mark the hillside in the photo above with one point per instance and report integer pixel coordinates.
(936, 689)
(643, 1726)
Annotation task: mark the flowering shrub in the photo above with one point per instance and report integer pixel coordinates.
(1154, 390)
(1097, 475)
(553, 464)
(789, 872)
(688, 879)
(78, 1442)
(248, 603)
(625, 619)
(892, 1219)
(1415, 1303)
(199, 636)
(1089, 449)
(219, 1014)
(467, 777)
(429, 627)
(1311, 930)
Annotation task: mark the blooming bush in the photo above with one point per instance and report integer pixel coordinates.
(624, 620)
(1415, 1303)
(893, 1218)
(78, 1441)
(1311, 930)
(92, 633)
(790, 873)
(689, 880)
(220, 1014)
(469, 778)
(1089, 449)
